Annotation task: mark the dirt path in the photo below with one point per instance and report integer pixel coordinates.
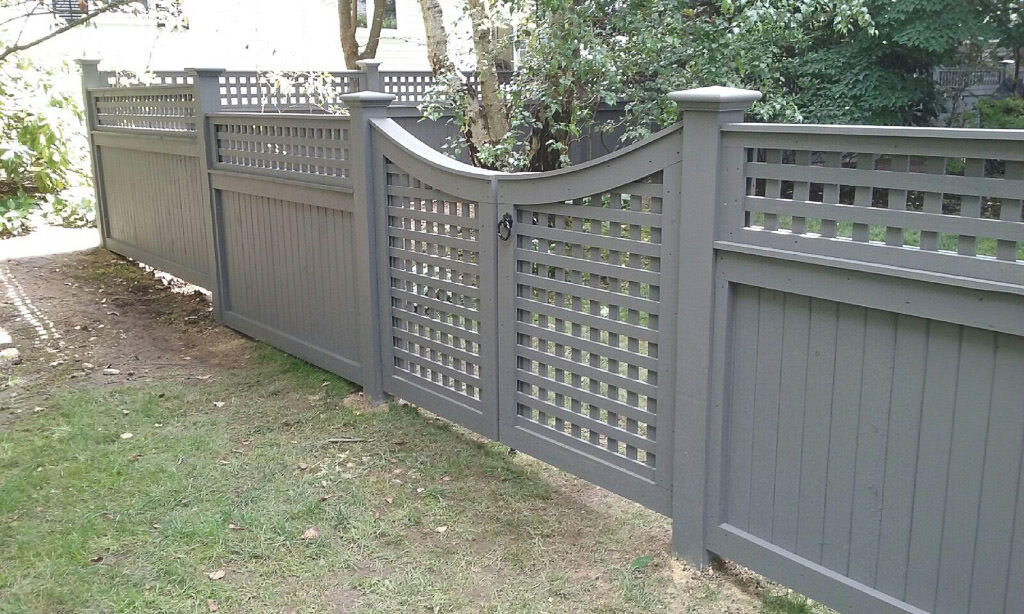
(73, 323)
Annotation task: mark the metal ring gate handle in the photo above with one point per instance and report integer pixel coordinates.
(505, 227)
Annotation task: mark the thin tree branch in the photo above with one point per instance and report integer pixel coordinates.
(81, 20)
(35, 7)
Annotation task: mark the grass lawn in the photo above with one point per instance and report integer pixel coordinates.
(269, 486)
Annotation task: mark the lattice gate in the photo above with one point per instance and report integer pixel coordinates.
(440, 347)
(534, 316)
(584, 320)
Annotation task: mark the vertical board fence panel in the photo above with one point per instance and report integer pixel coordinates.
(892, 429)
(855, 319)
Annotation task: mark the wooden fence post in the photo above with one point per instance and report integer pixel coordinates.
(370, 214)
(704, 111)
(371, 80)
(91, 79)
(206, 84)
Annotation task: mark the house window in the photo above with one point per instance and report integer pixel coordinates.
(168, 14)
(390, 21)
(70, 10)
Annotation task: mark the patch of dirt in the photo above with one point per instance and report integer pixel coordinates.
(343, 600)
(92, 319)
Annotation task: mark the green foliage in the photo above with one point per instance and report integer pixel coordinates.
(786, 604)
(42, 150)
(1003, 113)
(885, 76)
(821, 61)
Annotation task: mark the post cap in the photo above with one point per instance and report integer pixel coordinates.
(715, 98)
(367, 99)
(368, 63)
(205, 72)
(87, 62)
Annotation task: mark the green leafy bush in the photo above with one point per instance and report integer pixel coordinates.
(1003, 113)
(43, 151)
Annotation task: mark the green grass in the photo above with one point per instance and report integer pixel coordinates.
(789, 604)
(157, 508)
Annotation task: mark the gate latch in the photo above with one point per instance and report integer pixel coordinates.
(505, 227)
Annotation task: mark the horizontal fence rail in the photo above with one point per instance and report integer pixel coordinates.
(903, 198)
(169, 107)
(804, 344)
(250, 90)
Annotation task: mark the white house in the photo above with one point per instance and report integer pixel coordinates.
(239, 34)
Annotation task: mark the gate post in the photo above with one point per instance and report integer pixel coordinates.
(371, 75)
(206, 88)
(704, 111)
(369, 215)
(91, 80)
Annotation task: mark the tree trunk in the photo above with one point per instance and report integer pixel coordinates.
(348, 17)
(475, 131)
(485, 48)
(437, 37)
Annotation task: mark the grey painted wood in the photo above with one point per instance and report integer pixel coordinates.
(767, 385)
(739, 433)
(274, 251)
(872, 431)
(207, 101)
(966, 462)
(91, 78)
(994, 575)
(704, 111)
(165, 214)
(792, 411)
(823, 339)
(843, 414)
(828, 586)
(895, 472)
(901, 456)
(998, 311)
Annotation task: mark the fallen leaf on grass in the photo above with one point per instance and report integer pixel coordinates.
(111, 371)
(218, 403)
(210, 603)
(126, 435)
(389, 499)
(303, 466)
(217, 575)
(441, 529)
(96, 559)
(135, 457)
(235, 527)
(311, 533)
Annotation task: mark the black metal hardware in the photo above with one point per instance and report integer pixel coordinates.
(505, 227)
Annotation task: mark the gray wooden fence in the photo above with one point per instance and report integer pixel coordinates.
(804, 344)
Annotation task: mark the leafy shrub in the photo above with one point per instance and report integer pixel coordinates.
(14, 210)
(1003, 113)
(43, 151)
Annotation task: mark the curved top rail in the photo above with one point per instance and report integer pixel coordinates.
(608, 172)
(432, 167)
(658, 152)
